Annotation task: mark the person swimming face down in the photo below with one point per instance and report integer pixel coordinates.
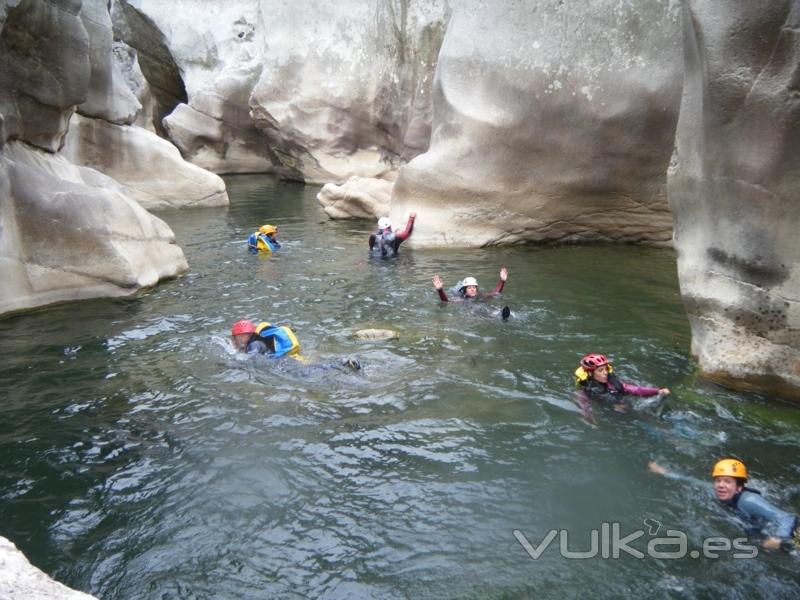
(246, 340)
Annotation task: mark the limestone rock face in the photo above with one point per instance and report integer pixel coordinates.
(733, 190)
(155, 58)
(109, 97)
(70, 233)
(316, 93)
(345, 90)
(358, 197)
(149, 168)
(41, 83)
(20, 580)
(215, 130)
(553, 122)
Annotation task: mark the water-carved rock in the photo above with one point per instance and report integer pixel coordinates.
(733, 191)
(553, 122)
(70, 233)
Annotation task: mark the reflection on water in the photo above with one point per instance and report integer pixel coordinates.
(141, 459)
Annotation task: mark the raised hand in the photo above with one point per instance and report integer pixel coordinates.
(437, 282)
(503, 274)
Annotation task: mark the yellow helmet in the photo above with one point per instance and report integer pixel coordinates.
(729, 467)
(267, 229)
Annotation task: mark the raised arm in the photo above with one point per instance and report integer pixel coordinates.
(437, 283)
(500, 284)
(402, 235)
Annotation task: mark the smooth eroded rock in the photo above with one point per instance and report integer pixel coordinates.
(20, 580)
(358, 197)
(71, 233)
(553, 122)
(733, 190)
(44, 70)
(150, 169)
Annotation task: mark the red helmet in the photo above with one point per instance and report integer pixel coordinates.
(243, 326)
(592, 361)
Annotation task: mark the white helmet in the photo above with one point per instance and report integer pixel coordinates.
(383, 223)
(469, 281)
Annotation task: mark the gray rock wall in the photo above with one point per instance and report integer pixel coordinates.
(316, 92)
(71, 233)
(41, 83)
(553, 122)
(734, 189)
(68, 232)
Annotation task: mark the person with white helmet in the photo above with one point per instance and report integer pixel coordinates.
(467, 290)
(385, 242)
(780, 528)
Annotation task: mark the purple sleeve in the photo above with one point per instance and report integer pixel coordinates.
(585, 405)
(442, 296)
(497, 289)
(639, 390)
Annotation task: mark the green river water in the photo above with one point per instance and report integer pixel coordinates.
(141, 458)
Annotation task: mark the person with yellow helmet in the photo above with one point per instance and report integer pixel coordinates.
(264, 240)
(730, 476)
(385, 242)
(596, 379)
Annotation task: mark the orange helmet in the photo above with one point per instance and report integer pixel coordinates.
(243, 326)
(730, 467)
(267, 229)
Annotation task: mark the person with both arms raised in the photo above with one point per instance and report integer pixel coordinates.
(467, 290)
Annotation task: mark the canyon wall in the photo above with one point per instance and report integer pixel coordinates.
(733, 189)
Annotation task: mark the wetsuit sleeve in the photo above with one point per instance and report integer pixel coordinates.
(639, 390)
(582, 399)
(498, 289)
(780, 524)
(403, 235)
(443, 296)
(257, 347)
(371, 241)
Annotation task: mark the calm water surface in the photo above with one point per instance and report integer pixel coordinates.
(140, 458)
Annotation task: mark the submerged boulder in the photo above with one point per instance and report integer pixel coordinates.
(733, 190)
(553, 122)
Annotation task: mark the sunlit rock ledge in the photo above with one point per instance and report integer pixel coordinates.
(20, 580)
